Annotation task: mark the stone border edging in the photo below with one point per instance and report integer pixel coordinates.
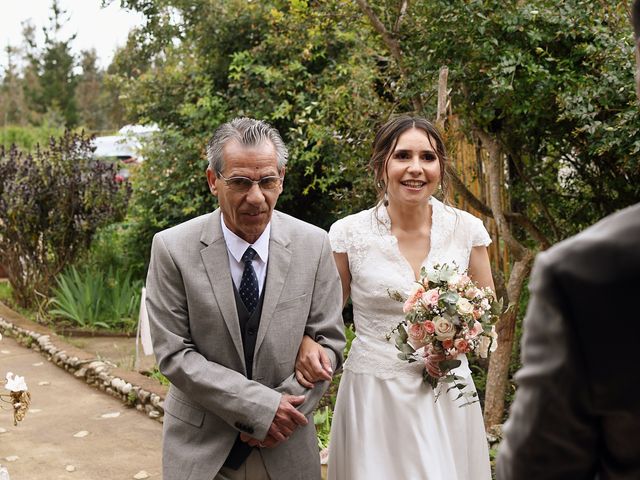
(132, 388)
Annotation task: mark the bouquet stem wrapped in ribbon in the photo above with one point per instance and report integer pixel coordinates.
(446, 314)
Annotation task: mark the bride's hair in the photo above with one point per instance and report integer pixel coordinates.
(386, 140)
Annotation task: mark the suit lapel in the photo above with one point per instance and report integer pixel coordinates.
(216, 263)
(277, 274)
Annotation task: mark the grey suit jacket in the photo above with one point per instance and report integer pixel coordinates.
(576, 414)
(198, 346)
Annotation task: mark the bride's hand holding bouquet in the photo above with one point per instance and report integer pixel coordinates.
(446, 314)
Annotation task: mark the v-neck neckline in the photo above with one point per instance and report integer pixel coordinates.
(386, 220)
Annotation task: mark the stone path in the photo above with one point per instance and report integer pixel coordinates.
(72, 431)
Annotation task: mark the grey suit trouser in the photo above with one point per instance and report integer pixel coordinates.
(252, 469)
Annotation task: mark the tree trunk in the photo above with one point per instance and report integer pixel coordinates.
(498, 375)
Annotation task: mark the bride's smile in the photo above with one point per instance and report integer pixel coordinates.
(412, 170)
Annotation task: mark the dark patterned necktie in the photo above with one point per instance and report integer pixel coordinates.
(249, 282)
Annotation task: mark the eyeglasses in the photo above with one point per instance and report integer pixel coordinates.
(244, 184)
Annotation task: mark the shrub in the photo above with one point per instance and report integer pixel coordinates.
(52, 201)
(92, 298)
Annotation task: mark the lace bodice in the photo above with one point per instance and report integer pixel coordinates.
(377, 266)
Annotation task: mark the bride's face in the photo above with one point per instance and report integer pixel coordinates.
(412, 170)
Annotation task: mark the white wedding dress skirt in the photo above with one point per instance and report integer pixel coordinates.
(387, 424)
(394, 429)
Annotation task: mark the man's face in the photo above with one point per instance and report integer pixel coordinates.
(246, 213)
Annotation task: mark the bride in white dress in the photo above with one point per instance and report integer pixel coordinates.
(387, 423)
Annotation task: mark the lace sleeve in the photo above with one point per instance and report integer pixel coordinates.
(338, 236)
(479, 234)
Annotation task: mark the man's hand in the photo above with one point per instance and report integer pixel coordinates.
(287, 418)
(312, 364)
(285, 422)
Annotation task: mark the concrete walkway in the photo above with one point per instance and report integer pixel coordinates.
(72, 431)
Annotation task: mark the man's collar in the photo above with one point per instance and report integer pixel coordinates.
(237, 245)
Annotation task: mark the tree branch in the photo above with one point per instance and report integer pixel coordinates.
(392, 44)
(401, 14)
(441, 114)
(482, 208)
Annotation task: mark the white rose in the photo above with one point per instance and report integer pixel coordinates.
(453, 281)
(464, 306)
(445, 330)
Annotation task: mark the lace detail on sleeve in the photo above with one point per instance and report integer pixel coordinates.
(352, 235)
(479, 234)
(338, 237)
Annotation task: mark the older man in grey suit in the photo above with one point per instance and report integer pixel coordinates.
(230, 296)
(576, 415)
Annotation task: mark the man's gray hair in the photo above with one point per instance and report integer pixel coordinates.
(248, 132)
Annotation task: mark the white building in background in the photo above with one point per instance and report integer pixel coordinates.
(126, 146)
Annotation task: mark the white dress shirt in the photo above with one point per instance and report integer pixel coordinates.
(236, 247)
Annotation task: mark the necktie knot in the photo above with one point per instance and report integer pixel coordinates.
(248, 255)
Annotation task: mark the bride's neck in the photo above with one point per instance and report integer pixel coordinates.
(411, 217)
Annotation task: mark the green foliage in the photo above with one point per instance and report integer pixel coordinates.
(132, 398)
(52, 201)
(553, 83)
(26, 138)
(322, 420)
(97, 299)
(350, 334)
(5, 292)
(168, 188)
(157, 375)
(109, 249)
(307, 69)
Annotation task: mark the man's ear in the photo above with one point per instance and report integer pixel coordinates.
(212, 180)
(284, 169)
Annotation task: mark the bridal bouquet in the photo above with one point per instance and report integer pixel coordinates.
(446, 314)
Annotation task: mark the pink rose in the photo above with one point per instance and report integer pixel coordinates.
(447, 344)
(471, 293)
(477, 313)
(444, 328)
(463, 281)
(429, 326)
(461, 345)
(475, 330)
(417, 332)
(414, 296)
(430, 298)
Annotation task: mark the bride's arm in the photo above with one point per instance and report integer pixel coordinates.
(312, 363)
(342, 262)
(480, 267)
